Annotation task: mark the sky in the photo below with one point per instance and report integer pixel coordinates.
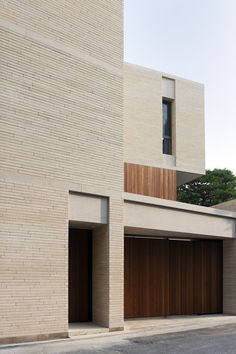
(194, 39)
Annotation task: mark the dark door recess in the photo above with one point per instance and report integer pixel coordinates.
(80, 275)
(164, 277)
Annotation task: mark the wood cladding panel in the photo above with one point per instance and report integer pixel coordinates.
(80, 275)
(165, 277)
(150, 181)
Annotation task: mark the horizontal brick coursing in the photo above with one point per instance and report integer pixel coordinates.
(93, 27)
(143, 94)
(229, 277)
(61, 130)
(33, 262)
(54, 111)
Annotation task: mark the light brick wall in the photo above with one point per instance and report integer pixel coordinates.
(143, 92)
(229, 277)
(101, 275)
(33, 262)
(116, 258)
(61, 130)
(190, 126)
(108, 260)
(142, 116)
(229, 265)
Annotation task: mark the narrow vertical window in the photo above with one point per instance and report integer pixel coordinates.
(167, 134)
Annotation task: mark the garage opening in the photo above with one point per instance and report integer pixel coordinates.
(172, 277)
(80, 275)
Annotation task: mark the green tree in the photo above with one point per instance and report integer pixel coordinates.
(216, 186)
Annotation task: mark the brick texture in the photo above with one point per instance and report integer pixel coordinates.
(229, 277)
(143, 93)
(61, 130)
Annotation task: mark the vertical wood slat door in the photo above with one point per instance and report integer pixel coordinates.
(181, 278)
(80, 276)
(208, 277)
(146, 277)
(172, 277)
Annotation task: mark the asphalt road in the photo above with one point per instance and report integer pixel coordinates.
(218, 340)
(207, 341)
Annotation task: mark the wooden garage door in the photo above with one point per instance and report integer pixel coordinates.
(146, 277)
(181, 278)
(165, 277)
(208, 277)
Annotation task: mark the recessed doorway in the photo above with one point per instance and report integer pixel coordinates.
(80, 275)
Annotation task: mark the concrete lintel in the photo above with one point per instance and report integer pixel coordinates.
(153, 216)
(136, 198)
(88, 208)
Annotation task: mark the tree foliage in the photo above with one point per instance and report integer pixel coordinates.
(216, 186)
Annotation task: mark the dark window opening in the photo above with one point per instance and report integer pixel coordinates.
(167, 123)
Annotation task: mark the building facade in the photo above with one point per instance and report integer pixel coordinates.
(92, 150)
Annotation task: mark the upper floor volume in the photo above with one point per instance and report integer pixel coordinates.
(164, 122)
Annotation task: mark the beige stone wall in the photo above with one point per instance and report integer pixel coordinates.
(61, 131)
(229, 276)
(229, 264)
(142, 116)
(108, 260)
(143, 92)
(33, 262)
(101, 275)
(190, 131)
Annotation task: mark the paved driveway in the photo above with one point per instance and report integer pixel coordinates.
(221, 340)
(218, 340)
